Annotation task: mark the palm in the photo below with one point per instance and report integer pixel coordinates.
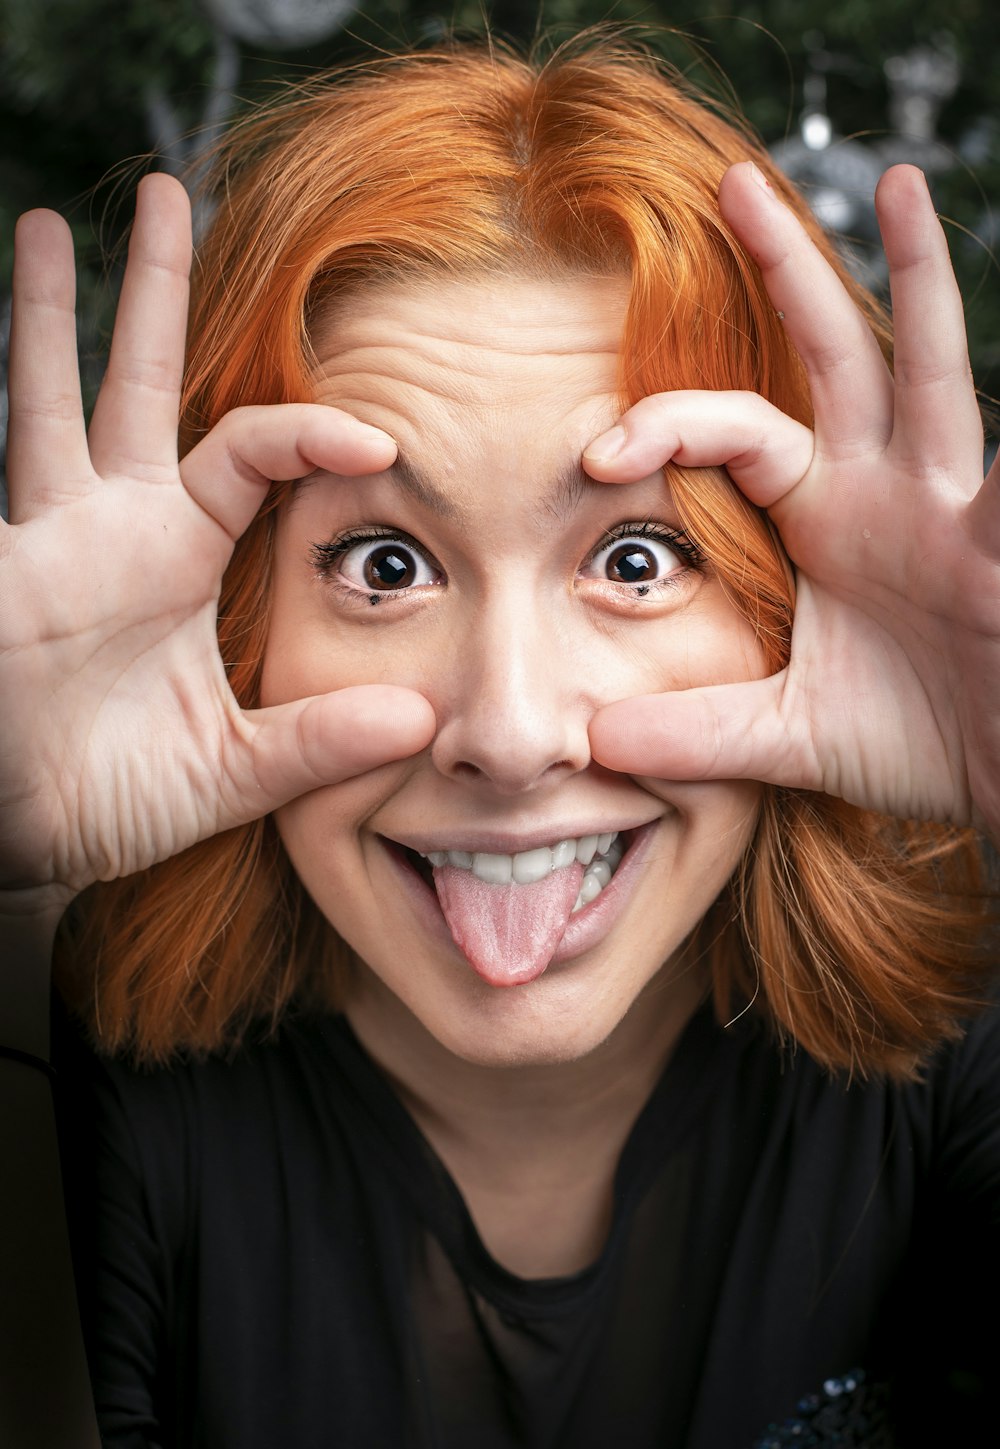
(897, 633)
(891, 698)
(112, 700)
(123, 743)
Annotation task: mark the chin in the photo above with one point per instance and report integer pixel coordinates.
(559, 1018)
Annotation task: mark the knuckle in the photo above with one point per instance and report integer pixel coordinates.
(56, 408)
(152, 375)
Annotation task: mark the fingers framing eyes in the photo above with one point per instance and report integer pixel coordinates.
(134, 428)
(927, 416)
(765, 451)
(306, 743)
(47, 443)
(229, 471)
(718, 732)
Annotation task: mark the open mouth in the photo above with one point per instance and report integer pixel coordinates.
(511, 916)
(600, 856)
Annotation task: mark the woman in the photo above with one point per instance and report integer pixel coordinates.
(443, 1145)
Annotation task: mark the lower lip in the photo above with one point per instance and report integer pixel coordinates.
(586, 928)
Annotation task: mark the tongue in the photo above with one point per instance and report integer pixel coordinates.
(508, 933)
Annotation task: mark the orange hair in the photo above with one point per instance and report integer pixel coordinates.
(853, 934)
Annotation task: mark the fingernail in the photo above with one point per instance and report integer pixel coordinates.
(367, 433)
(608, 445)
(761, 180)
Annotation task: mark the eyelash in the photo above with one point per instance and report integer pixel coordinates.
(326, 557)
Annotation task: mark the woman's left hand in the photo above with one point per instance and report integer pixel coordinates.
(891, 697)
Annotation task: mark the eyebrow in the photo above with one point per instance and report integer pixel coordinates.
(408, 477)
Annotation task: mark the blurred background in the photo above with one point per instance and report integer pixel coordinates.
(839, 89)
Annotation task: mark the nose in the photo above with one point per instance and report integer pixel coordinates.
(512, 710)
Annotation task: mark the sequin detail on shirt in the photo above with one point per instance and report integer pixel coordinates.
(848, 1411)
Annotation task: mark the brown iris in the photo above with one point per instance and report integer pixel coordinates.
(389, 567)
(632, 564)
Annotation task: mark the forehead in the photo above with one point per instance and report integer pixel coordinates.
(436, 351)
(491, 387)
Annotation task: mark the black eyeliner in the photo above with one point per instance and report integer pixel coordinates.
(325, 555)
(674, 538)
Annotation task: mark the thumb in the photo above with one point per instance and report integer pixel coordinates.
(307, 743)
(718, 732)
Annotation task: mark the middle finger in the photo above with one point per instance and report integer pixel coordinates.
(134, 427)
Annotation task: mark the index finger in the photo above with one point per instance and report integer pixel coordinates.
(134, 427)
(849, 380)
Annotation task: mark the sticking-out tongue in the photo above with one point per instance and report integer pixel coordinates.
(508, 933)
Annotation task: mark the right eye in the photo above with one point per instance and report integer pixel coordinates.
(377, 562)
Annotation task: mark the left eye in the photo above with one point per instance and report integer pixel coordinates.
(634, 561)
(386, 565)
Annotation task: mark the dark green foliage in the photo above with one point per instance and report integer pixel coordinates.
(76, 77)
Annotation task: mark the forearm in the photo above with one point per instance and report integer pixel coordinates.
(44, 1392)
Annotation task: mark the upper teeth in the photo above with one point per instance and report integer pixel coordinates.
(532, 865)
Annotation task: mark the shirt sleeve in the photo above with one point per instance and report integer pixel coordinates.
(950, 1319)
(121, 1260)
(967, 1129)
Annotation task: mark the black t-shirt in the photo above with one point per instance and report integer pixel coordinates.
(271, 1256)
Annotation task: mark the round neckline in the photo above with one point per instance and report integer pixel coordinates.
(672, 1109)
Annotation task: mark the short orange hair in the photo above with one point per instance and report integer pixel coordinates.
(854, 935)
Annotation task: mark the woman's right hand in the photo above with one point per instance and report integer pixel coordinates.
(121, 741)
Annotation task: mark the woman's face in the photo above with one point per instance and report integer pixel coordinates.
(485, 570)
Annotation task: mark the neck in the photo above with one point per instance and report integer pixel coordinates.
(533, 1149)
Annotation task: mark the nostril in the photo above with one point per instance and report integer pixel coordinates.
(507, 777)
(464, 769)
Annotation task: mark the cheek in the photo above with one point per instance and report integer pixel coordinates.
(715, 825)
(713, 645)
(309, 660)
(320, 831)
(722, 814)
(709, 643)
(307, 651)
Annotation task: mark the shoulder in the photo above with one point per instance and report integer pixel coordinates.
(960, 1103)
(950, 1111)
(225, 1104)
